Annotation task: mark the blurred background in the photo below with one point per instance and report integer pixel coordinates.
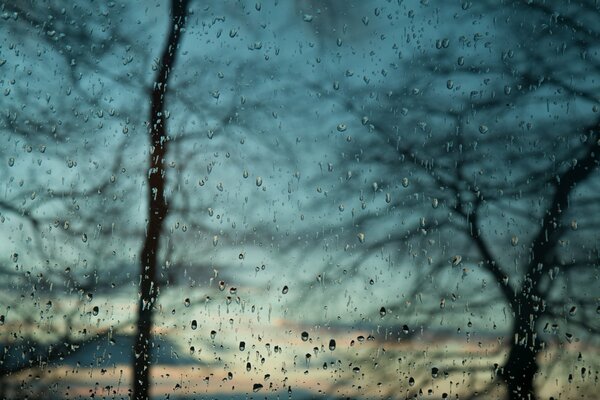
(299, 199)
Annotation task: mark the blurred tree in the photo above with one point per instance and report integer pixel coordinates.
(157, 205)
(482, 161)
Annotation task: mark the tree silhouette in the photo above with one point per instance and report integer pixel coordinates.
(157, 206)
(482, 161)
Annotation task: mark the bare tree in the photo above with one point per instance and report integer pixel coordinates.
(482, 163)
(157, 206)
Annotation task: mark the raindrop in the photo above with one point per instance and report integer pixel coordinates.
(95, 310)
(434, 372)
(284, 290)
(194, 324)
(213, 334)
(256, 387)
(15, 257)
(382, 311)
(514, 240)
(405, 329)
(304, 336)
(361, 237)
(411, 381)
(483, 129)
(341, 127)
(186, 302)
(242, 346)
(405, 182)
(332, 344)
(307, 18)
(258, 181)
(248, 366)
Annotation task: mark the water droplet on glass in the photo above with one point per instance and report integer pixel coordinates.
(361, 237)
(186, 302)
(405, 182)
(95, 310)
(242, 346)
(194, 324)
(341, 127)
(256, 387)
(213, 334)
(573, 311)
(483, 129)
(258, 181)
(284, 290)
(332, 344)
(304, 336)
(382, 311)
(456, 260)
(434, 372)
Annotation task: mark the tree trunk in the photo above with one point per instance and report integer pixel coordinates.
(521, 365)
(157, 206)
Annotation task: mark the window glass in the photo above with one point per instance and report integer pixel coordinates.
(299, 199)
